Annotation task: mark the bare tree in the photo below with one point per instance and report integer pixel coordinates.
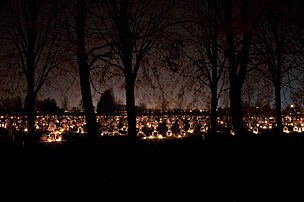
(35, 35)
(239, 21)
(75, 19)
(256, 96)
(273, 48)
(132, 29)
(297, 93)
(206, 61)
(84, 69)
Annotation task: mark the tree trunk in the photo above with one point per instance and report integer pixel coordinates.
(131, 109)
(30, 99)
(30, 110)
(214, 81)
(126, 47)
(238, 61)
(30, 73)
(236, 108)
(277, 89)
(84, 72)
(213, 114)
(88, 103)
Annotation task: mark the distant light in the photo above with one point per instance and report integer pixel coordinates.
(285, 129)
(169, 133)
(232, 132)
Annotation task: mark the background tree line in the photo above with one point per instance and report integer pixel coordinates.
(15, 106)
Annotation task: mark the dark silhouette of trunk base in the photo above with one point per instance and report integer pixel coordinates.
(279, 128)
(237, 111)
(131, 110)
(84, 73)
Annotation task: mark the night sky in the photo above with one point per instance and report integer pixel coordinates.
(58, 86)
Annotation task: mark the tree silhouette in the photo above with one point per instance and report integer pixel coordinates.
(132, 29)
(273, 48)
(47, 106)
(84, 69)
(35, 35)
(298, 49)
(238, 25)
(74, 18)
(11, 105)
(106, 104)
(256, 96)
(298, 94)
(206, 63)
(65, 103)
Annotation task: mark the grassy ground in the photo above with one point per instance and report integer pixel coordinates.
(260, 168)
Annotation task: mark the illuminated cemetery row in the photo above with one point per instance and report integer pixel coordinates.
(260, 124)
(151, 127)
(148, 127)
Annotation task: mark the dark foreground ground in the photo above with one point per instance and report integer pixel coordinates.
(261, 168)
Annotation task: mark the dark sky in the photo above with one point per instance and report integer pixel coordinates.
(61, 86)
